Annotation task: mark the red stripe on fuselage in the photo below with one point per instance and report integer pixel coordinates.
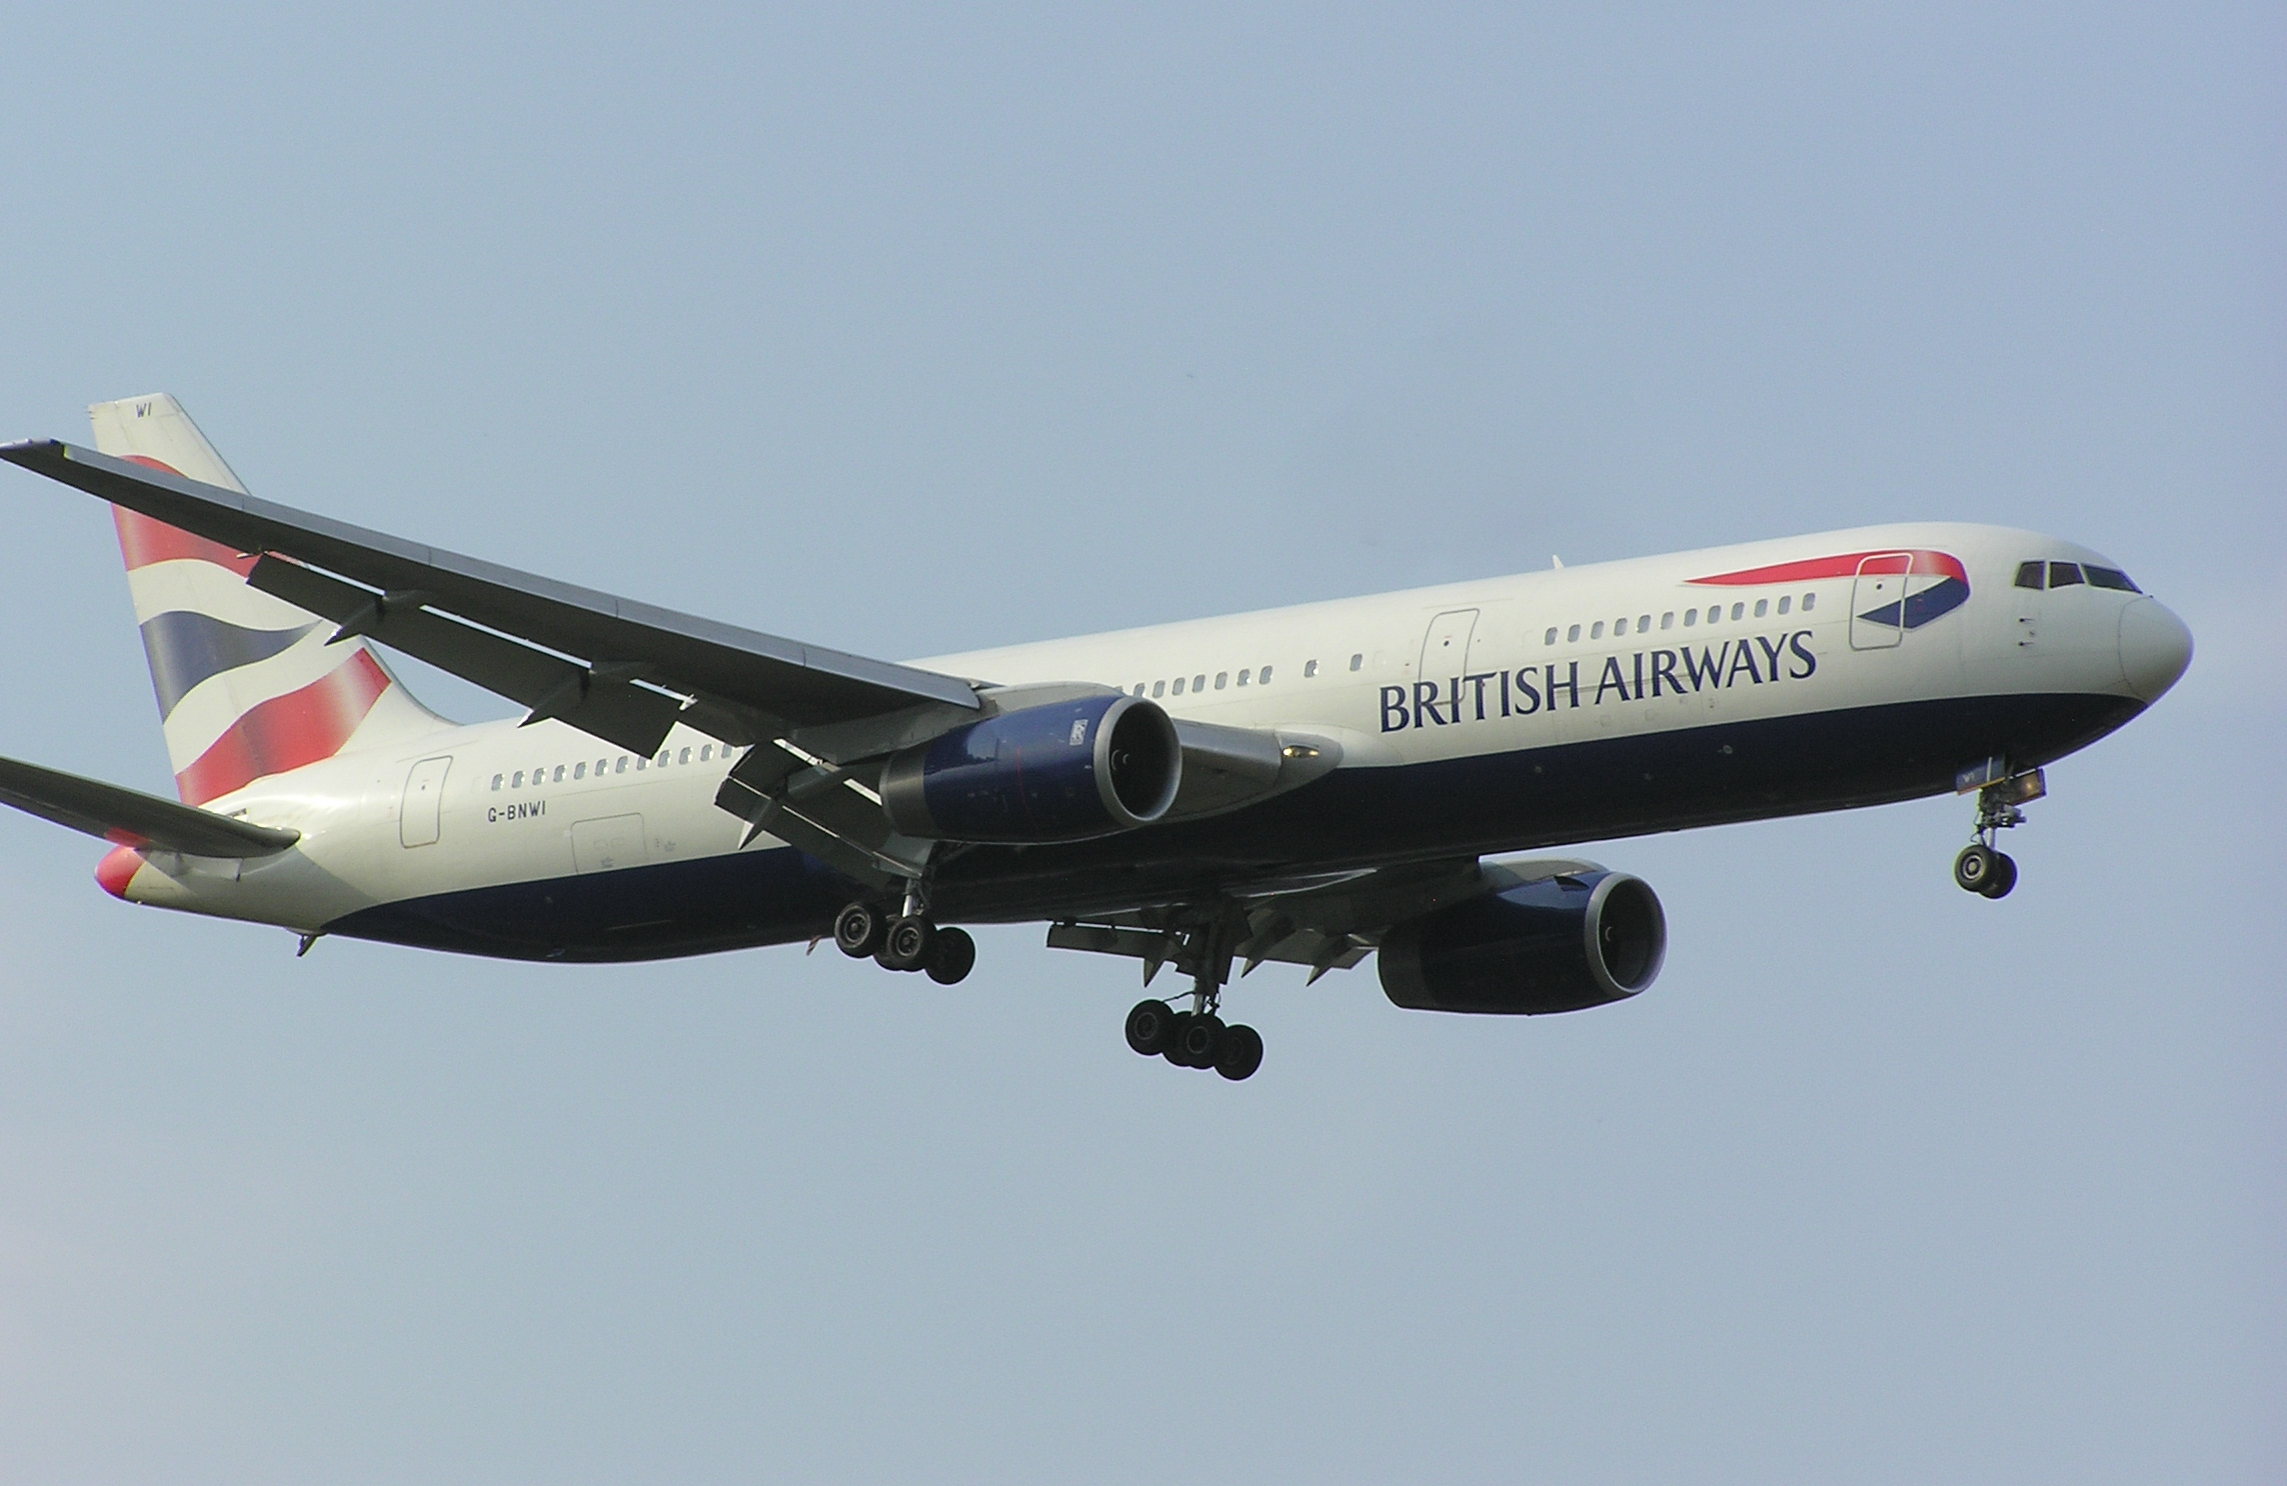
(1844, 565)
(287, 732)
(143, 541)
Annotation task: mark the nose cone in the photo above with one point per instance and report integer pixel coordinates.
(2155, 647)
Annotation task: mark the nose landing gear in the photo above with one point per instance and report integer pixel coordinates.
(1983, 868)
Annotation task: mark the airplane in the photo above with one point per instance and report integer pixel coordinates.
(1309, 785)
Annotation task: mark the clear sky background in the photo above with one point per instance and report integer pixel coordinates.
(913, 330)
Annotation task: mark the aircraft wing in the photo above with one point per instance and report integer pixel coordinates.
(623, 670)
(128, 817)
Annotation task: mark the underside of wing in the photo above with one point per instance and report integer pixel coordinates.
(624, 670)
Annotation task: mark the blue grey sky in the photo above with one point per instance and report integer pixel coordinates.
(911, 330)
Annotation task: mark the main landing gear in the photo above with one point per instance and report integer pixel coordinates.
(1982, 867)
(1194, 1039)
(1199, 1038)
(906, 940)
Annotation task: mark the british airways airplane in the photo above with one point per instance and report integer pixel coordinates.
(1311, 785)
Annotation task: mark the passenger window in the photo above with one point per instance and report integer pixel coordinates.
(1309, 669)
(1199, 682)
(1643, 624)
(1179, 686)
(1690, 618)
(1762, 607)
(2064, 574)
(518, 781)
(1808, 600)
(1572, 636)
(1159, 688)
(559, 776)
(1265, 678)
(580, 770)
(622, 769)
(1786, 601)
(1139, 691)
(1243, 676)
(706, 752)
(496, 780)
(2029, 574)
(2111, 578)
(1222, 680)
(1596, 631)
(1668, 620)
(601, 767)
(1738, 611)
(684, 757)
(1358, 662)
(1550, 637)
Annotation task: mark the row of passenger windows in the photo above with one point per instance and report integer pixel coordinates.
(564, 773)
(1248, 676)
(2066, 574)
(1691, 618)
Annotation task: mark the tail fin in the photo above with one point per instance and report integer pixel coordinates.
(247, 684)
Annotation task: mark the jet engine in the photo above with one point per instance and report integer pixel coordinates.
(1561, 943)
(1065, 771)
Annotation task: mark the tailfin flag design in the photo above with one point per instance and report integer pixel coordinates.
(247, 683)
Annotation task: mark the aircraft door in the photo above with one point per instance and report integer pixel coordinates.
(608, 844)
(420, 819)
(1878, 601)
(1445, 649)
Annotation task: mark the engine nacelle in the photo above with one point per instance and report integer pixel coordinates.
(1065, 771)
(1562, 943)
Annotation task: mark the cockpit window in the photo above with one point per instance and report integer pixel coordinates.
(2064, 574)
(2029, 574)
(2111, 578)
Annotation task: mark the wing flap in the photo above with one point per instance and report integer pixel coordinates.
(128, 817)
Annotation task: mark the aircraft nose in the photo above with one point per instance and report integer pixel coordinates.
(2155, 647)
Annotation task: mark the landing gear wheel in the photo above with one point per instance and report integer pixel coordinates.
(1977, 866)
(2003, 877)
(906, 944)
(1172, 1048)
(1199, 1040)
(1149, 1026)
(953, 958)
(858, 931)
(1242, 1053)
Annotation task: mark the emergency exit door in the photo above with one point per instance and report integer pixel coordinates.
(1878, 601)
(419, 821)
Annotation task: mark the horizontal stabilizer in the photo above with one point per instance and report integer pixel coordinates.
(128, 817)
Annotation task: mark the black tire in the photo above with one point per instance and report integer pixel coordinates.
(2004, 876)
(1242, 1053)
(906, 943)
(954, 957)
(858, 931)
(1148, 1027)
(1201, 1040)
(1974, 868)
(1173, 1050)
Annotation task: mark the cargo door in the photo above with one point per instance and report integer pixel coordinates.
(609, 844)
(419, 820)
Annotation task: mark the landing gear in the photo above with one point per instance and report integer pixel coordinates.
(1983, 868)
(909, 940)
(1199, 1038)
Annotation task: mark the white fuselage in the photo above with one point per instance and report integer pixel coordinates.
(1491, 666)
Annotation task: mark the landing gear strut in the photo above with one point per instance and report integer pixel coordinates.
(1199, 1038)
(1982, 867)
(907, 940)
